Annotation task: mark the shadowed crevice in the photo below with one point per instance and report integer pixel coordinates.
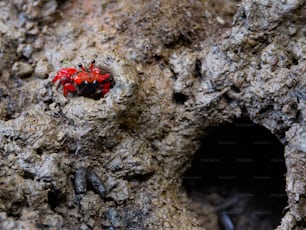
(239, 172)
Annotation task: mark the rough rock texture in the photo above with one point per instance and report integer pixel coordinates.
(175, 76)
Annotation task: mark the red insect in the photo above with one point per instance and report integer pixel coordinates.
(89, 83)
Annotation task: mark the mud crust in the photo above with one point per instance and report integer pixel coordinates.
(180, 69)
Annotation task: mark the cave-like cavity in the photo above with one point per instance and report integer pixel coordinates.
(237, 178)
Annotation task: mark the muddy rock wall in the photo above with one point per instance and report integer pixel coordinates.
(179, 68)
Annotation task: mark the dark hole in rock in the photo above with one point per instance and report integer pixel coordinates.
(198, 68)
(55, 197)
(179, 98)
(235, 89)
(16, 208)
(295, 61)
(238, 177)
(28, 175)
(95, 90)
(39, 151)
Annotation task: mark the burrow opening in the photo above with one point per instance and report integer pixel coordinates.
(237, 178)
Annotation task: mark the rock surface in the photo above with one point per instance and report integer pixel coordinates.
(180, 68)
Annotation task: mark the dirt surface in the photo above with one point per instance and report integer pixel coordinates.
(180, 68)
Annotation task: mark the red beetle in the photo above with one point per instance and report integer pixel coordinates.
(90, 83)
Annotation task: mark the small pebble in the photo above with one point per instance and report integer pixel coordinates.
(22, 69)
(39, 43)
(226, 221)
(96, 184)
(80, 181)
(27, 51)
(114, 217)
(42, 69)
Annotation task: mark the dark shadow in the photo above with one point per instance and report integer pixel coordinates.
(239, 173)
(55, 198)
